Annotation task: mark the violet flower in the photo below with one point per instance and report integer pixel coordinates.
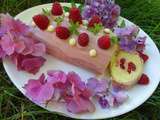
(107, 10)
(128, 39)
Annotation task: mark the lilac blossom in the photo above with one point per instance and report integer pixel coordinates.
(107, 10)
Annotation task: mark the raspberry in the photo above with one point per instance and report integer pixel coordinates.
(41, 21)
(75, 15)
(122, 66)
(129, 70)
(104, 42)
(131, 67)
(83, 39)
(94, 20)
(62, 32)
(144, 80)
(57, 9)
(143, 56)
(122, 62)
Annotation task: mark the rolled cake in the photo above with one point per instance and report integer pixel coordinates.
(78, 55)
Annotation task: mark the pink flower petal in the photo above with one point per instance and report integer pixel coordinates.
(32, 65)
(97, 86)
(80, 105)
(75, 80)
(28, 63)
(38, 90)
(56, 76)
(2, 53)
(120, 97)
(18, 42)
(7, 44)
(39, 49)
(19, 46)
(33, 87)
(45, 94)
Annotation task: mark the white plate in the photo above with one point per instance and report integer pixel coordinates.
(137, 96)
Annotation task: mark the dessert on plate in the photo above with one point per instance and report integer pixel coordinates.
(93, 37)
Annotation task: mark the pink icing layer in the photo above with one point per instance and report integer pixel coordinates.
(77, 55)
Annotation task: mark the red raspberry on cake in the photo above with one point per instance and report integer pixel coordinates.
(57, 9)
(104, 42)
(75, 15)
(62, 32)
(41, 21)
(83, 39)
(94, 20)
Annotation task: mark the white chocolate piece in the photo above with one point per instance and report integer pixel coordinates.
(106, 30)
(72, 42)
(50, 28)
(66, 14)
(92, 53)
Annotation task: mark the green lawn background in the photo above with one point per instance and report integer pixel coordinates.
(14, 106)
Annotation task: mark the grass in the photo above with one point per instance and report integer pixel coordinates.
(14, 106)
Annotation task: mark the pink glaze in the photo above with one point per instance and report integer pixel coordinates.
(77, 55)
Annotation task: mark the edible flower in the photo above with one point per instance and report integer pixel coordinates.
(70, 89)
(129, 41)
(18, 43)
(107, 10)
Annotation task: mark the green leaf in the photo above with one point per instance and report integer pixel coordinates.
(58, 20)
(46, 11)
(66, 9)
(96, 28)
(73, 3)
(113, 38)
(73, 28)
(122, 24)
(81, 7)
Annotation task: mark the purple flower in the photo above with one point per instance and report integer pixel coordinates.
(97, 86)
(129, 40)
(103, 102)
(107, 10)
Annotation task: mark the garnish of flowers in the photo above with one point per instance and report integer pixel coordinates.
(129, 39)
(73, 27)
(18, 44)
(107, 10)
(70, 89)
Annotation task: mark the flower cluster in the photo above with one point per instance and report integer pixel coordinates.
(107, 10)
(18, 43)
(72, 91)
(129, 40)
